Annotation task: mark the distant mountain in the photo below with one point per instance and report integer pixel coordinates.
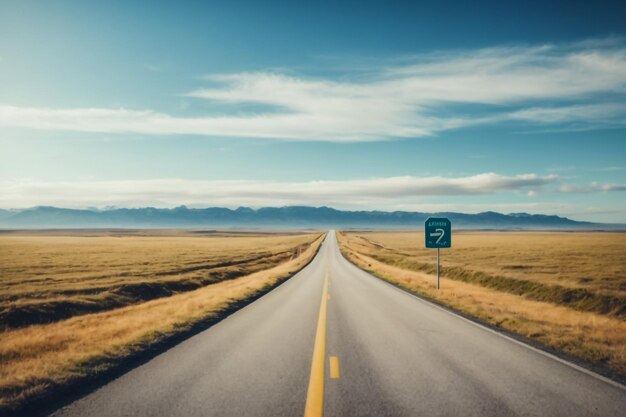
(275, 217)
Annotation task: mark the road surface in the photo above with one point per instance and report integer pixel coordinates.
(338, 340)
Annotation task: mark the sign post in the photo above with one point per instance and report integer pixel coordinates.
(438, 234)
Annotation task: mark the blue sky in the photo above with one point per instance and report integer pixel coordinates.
(357, 105)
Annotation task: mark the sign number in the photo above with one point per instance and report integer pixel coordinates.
(438, 232)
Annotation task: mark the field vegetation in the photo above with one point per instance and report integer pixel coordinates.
(55, 275)
(566, 291)
(38, 361)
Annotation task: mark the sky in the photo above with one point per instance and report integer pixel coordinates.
(417, 106)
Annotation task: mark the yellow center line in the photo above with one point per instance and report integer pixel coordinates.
(315, 394)
(334, 367)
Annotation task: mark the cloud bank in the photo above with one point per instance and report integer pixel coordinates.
(388, 193)
(580, 83)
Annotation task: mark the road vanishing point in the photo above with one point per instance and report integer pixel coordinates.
(335, 341)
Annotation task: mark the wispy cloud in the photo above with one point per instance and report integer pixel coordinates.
(604, 112)
(548, 84)
(610, 169)
(594, 187)
(386, 192)
(614, 187)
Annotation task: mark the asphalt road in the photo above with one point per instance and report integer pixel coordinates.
(392, 355)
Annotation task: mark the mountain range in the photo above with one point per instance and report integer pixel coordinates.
(274, 217)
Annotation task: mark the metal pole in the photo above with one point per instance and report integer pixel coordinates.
(437, 268)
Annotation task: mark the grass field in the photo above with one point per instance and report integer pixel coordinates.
(40, 359)
(45, 277)
(564, 290)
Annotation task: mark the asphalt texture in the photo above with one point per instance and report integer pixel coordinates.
(397, 355)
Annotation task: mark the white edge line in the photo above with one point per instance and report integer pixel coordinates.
(482, 326)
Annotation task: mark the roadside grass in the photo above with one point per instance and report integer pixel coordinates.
(39, 360)
(47, 277)
(591, 260)
(591, 280)
(599, 339)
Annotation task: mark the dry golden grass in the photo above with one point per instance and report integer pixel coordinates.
(49, 276)
(40, 358)
(597, 338)
(594, 261)
(584, 271)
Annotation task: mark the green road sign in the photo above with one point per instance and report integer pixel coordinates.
(438, 232)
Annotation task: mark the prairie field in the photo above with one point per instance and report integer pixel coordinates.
(94, 299)
(595, 261)
(565, 290)
(51, 276)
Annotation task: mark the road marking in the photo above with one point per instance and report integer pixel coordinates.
(334, 367)
(315, 394)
